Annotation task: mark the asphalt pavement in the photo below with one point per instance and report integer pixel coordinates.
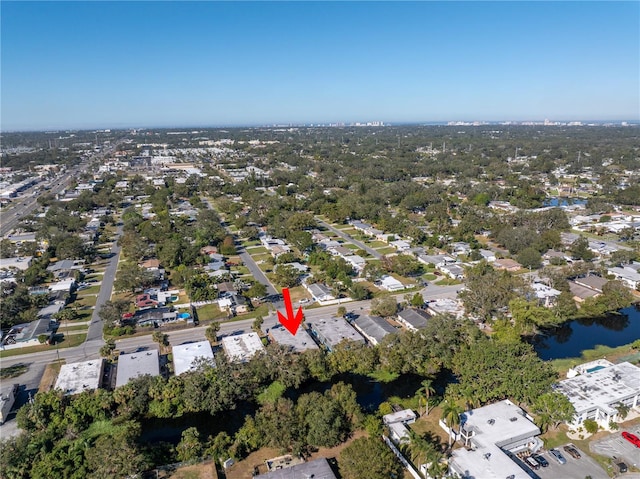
(349, 239)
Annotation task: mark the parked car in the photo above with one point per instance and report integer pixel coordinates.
(558, 456)
(632, 438)
(622, 467)
(573, 452)
(541, 460)
(532, 463)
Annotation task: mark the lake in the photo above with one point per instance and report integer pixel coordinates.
(573, 337)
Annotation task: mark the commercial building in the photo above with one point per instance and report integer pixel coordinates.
(242, 347)
(329, 332)
(492, 435)
(298, 343)
(75, 378)
(131, 366)
(597, 388)
(187, 356)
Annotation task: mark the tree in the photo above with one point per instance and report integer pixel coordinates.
(623, 410)
(530, 258)
(580, 249)
(495, 370)
(590, 426)
(417, 300)
(385, 306)
(107, 348)
(451, 417)
(211, 333)
(427, 387)
(160, 338)
(228, 246)
(257, 324)
(131, 277)
(552, 409)
(368, 458)
(189, 447)
(483, 302)
(257, 290)
(286, 276)
(341, 311)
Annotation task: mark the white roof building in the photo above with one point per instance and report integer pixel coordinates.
(75, 378)
(131, 366)
(299, 342)
(187, 356)
(492, 434)
(597, 387)
(389, 283)
(242, 347)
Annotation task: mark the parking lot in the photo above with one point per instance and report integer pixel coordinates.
(614, 445)
(573, 469)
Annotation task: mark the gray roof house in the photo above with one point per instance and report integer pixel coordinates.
(413, 319)
(374, 328)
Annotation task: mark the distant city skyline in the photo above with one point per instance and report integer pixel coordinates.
(92, 65)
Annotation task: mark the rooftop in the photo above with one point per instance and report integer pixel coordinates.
(317, 469)
(374, 328)
(185, 355)
(298, 343)
(417, 319)
(332, 331)
(601, 386)
(242, 347)
(75, 378)
(131, 366)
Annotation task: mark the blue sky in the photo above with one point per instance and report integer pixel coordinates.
(125, 64)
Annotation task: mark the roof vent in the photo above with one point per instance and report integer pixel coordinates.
(491, 422)
(513, 419)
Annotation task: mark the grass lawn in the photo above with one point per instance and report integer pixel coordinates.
(383, 376)
(89, 291)
(378, 244)
(256, 250)
(429, 277)
(271, 393)
(386, 250)
(621, 353)
(79, 327)
(85, 301)
(13, 371)
(448, 282)
(70, 342)
(241, 270)
(247, 243)
(210, 311)
(260, 257)
(50, 375)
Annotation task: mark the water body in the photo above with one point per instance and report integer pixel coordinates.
(573, 337)
(563, 202)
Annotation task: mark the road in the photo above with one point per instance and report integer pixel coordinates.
(349, 239)
(248, 261)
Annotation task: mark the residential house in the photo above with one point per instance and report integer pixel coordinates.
(242, 347)
(373, 328)
(507, 264)
(389, 283)
(413, 319)
(397, 423)
(319, 292)
(545, 295)
(487, 255)
(629, 274)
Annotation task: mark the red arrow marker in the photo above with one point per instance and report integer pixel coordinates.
(290, 321)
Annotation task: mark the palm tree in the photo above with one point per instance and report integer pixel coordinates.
(451, 416)
(427, 385)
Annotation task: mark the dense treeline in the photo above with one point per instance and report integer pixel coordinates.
(64, 436)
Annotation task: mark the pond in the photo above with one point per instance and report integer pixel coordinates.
(564, 201)
(573, 337)
(370, 394)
